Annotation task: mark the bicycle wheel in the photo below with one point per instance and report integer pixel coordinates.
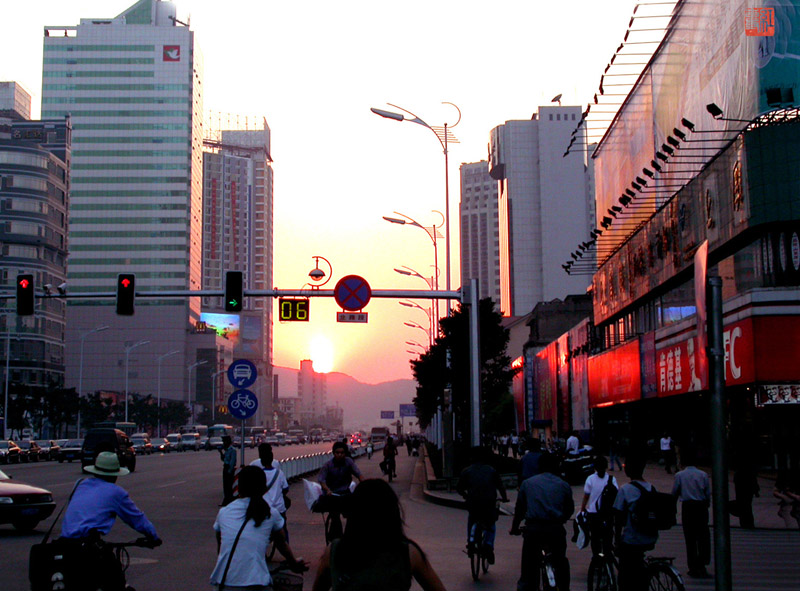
(549, 582)
(664, 578)
(601, 575)
(474, 552)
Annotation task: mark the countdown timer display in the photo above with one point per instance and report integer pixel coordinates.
(293, 309)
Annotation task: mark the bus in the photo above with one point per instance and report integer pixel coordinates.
(379, 435)
(295, 436)
(127, 428)
(220, 431)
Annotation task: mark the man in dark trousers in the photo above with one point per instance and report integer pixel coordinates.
(228, 456)
(693, 488)
(545, 503)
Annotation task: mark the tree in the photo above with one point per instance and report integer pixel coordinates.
(174, 414)
(60, 407)
(432, 374)
(95, 408)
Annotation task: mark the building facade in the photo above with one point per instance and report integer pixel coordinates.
(312, 393)
(132, 86)
(544, 202)
(34, 188)
(480, 233)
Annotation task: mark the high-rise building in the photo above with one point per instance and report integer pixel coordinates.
(545, 207)
(312, 388)
(238, 236)
(480, 235)
(34, 182)
(132, 85)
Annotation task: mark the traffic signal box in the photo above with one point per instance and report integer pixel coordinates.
(234, 293)
(126, 293)
(25, 294)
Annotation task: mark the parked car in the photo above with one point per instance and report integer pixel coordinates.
(190, 441)
(31, 452)
(160, 444)
(9, 452)
(27, 504)
(176, 441)
(50, 447)
(142, 444)
(108, 439)
(70, 450)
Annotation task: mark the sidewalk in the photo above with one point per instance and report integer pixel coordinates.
(765, 507)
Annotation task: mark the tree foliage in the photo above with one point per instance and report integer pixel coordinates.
(432, 374)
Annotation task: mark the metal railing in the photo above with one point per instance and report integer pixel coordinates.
(298, 466)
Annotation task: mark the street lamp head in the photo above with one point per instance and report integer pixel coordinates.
(394, 220)
(403, 272)
(387, 114)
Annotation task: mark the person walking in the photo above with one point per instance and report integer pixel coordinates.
(667, 452)
(228, 456)
(389, 458)
(545, 503)
(614, 447)
(529, 466)
(632, 542)
(693, 488)
(573, 443)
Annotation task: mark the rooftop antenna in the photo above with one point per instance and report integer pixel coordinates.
(556, 99)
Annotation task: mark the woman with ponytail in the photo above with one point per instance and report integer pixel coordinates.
(244, 528)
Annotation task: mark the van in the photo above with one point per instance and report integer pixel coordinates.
(106, 439)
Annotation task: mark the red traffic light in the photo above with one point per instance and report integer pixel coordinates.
(24, 283)
(125, 282)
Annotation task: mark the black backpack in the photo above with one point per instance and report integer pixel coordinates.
(605, 504)
(653, 511)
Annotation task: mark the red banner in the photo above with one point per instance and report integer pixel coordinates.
(546, 384)
(615, 376)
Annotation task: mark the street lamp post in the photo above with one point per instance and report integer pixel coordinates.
(6, 416)
(189, 368)
(445, 136)
(100, 328)
(214, 393)
(159, 359)
(411, 304)
(128, 350)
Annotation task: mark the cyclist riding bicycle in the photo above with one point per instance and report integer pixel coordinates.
(277, 485)
(92, 511)
(631, 542)
(545, 503)
(335, 478)
(478, 484)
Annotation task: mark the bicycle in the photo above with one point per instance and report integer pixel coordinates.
(548, 571)
(478, 550)
(661, 574)
(284, 578)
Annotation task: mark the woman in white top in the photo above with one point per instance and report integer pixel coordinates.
(245, 563)
(598, 515)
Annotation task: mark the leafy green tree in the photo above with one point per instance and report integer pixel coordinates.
(60, 408)
(95, 408)
(174, 414)
(432, 374)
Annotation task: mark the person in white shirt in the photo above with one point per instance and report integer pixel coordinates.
(244, 528)
(693, 488)
(599, 517)
(667, 453)
(573, 443)
(277, 485)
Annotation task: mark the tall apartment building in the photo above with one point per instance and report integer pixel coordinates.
(132, 85)
(312, 388)
(34, 183)
(238, 236)
(480, 234)
(545, 206)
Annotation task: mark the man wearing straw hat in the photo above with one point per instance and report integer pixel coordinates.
(95, 504)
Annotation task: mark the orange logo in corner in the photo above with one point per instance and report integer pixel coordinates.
(759, 22)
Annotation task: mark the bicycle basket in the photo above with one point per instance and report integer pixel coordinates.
(285, 581)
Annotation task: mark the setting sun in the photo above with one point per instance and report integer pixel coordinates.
(322, 354)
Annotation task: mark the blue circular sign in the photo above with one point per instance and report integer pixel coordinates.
(242, 404)
(242, 373)
(352, 293)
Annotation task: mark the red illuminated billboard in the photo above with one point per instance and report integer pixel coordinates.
(615, 376)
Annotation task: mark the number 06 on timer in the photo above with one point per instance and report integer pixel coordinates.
(293, 309)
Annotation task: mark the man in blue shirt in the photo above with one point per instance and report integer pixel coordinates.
(335, 478)
(92, 511)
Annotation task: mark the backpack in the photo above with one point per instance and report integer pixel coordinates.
(605, 503)
(653, 511)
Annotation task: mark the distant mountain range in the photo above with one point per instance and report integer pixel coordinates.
(362, 403)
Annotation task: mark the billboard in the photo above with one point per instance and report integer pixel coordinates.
(408, 410)
(546, 385)
(225, 325)
(615, 376)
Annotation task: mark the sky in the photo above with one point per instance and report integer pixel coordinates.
(313, 69)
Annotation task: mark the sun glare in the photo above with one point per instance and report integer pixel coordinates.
(322, 354)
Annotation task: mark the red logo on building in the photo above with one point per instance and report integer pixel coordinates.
(759, 22)
(172, 53)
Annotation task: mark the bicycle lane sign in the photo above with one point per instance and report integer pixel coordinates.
(242, 404)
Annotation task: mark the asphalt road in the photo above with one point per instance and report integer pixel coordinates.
(180, 494)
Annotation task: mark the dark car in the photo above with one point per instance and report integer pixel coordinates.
(176, 441)
(50, 448)
(70, 450)
(102, 439)
(9, 452)
(142, 445)
(22, 505)
(32, 452)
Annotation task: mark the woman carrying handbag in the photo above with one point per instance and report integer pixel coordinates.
(244, 528)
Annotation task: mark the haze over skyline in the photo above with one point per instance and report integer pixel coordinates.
(314, 70)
